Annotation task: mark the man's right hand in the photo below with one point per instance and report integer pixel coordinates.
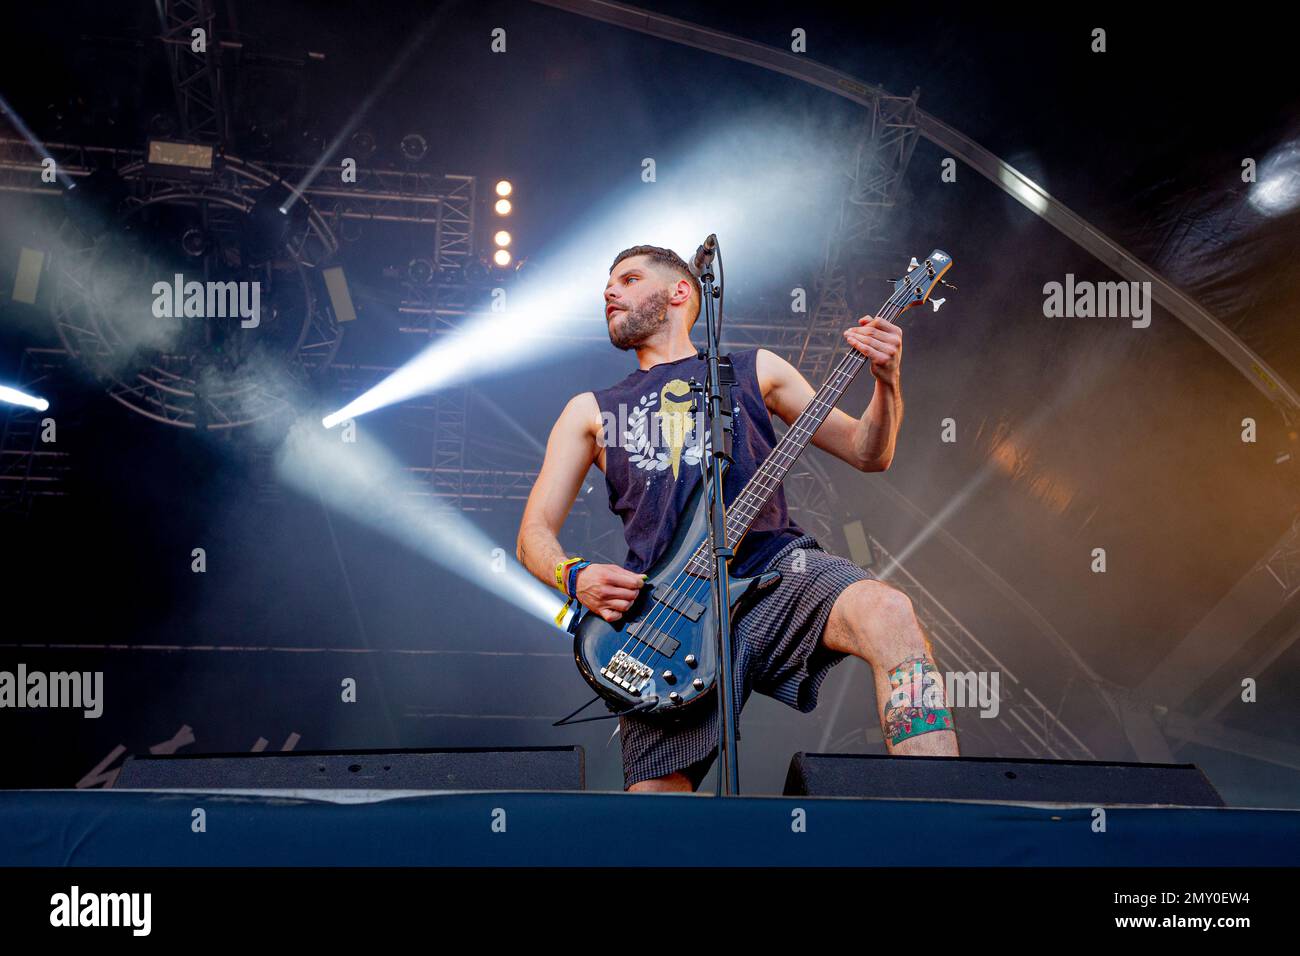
(608, 589)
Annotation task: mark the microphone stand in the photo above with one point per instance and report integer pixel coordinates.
(719, 379)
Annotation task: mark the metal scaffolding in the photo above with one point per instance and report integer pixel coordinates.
(888, 137)
(168, 389)
(195, 73)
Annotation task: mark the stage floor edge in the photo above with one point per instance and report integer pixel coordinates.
(360, 828)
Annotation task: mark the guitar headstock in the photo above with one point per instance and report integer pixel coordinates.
(916, 287)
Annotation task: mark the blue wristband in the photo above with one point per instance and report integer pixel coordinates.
(571, 580)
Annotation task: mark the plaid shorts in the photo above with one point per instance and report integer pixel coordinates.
(776, 649)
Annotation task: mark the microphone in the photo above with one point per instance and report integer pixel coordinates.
(704, 255)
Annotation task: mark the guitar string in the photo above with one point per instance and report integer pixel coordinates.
(831, 385)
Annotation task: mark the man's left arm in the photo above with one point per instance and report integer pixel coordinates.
(866, 443)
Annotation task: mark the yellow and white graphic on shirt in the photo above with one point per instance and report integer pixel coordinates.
(664, 437)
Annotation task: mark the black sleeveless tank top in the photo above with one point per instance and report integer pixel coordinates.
(653, 450)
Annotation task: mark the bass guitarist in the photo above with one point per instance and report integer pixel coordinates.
(824, 608)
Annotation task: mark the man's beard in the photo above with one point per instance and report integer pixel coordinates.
(640, 323)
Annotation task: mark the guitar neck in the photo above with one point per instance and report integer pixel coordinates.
(767, 479)
(909, 291)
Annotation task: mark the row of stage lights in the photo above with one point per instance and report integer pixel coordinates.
(501, 238)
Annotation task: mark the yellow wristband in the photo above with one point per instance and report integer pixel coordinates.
(562, 569)
(559, 618)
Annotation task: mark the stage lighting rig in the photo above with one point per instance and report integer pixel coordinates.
(501, 255)
(277, 217)
(362, 145)
(92, 203)
(413, 147)
(168, 159)
(420, 271)
(476, 272)
(196, 302)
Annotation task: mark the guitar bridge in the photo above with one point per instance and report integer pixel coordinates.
(627, 672)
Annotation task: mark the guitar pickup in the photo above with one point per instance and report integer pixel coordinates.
(654, 638)
(679, 601)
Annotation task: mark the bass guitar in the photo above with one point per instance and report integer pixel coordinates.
(660, 659)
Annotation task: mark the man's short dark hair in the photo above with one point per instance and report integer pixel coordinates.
(669, 260)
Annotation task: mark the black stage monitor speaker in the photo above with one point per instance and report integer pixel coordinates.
(468, 768)
(985, 778)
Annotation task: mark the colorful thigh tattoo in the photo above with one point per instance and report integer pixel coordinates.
(916, 701)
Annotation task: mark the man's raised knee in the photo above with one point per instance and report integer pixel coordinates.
(883, 623)
(894, 604)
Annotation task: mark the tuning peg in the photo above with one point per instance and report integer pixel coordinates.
(947, 283)
(937, 302)
(913, 264)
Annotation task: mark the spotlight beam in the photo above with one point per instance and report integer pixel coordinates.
(1069, 223)
(560, 295)
(13, 396)
(369, 486)
(36, 144)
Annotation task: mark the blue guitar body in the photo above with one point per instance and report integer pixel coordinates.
(662, 654)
